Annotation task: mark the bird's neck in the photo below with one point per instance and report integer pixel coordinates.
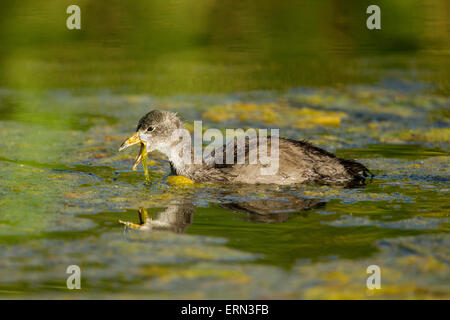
(181, 156)
(183, 166)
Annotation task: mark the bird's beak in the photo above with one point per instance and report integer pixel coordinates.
(134, 139)
(139, 156)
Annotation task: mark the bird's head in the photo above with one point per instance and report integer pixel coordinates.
(155, 131)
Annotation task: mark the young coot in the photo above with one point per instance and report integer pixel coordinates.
(297, 161)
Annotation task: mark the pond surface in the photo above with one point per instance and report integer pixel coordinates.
(68, 100)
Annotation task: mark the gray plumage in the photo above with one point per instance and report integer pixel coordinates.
(299, 161)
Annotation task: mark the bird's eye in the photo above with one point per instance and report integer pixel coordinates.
(150, 129)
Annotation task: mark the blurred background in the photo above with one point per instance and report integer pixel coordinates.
(68, 98)
(165, 47)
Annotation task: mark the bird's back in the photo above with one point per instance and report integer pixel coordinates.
(299, 161)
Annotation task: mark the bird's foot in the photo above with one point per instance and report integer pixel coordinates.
(143, 217)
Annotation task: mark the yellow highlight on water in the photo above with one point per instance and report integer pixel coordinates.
(179, 180)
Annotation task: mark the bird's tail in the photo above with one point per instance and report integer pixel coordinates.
(356, 169)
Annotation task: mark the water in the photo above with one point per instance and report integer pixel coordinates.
(68, 100)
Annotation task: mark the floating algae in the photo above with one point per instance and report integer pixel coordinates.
(179, 181)
(144, 162)
(142, 156)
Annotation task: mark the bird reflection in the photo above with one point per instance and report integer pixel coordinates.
(175, 218)
(178, 217)
(270, 211)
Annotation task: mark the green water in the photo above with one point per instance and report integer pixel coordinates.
(69, 98)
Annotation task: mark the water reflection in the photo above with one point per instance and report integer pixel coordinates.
(270, 211)
(178, 217)
(175, 218)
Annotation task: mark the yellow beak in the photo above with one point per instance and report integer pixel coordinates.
(134, 139)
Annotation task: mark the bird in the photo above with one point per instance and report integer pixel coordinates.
(177, 217)
(298, 161)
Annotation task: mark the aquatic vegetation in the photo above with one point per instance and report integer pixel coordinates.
(69, 99)
(431, 135)
(179, 180)
(414, 223)
(274, 114)
(63, 200)
(145, 163)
